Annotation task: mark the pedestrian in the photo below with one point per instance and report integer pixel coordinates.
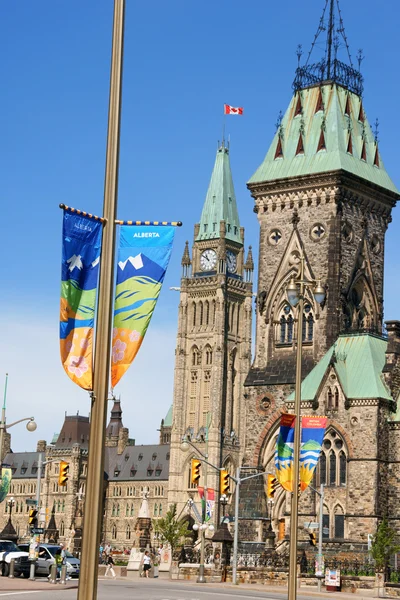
(64, 560)
(110, 566)
(146, 563)
(58, 558)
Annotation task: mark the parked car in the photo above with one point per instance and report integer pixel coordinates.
(46, 559)
(9, 550)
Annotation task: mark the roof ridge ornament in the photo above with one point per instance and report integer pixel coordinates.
(330, 68)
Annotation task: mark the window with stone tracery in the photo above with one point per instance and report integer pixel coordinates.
(332, 464)
(192, 398)
(285, 329)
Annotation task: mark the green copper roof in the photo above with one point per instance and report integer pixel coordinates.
(220, 204)
(358, 361)
(168, 418)
(337, 127)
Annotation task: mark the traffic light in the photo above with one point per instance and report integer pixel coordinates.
(33, 517)
(63, 475)
(195, 471)
(224, 482)
(313, 539)
(272, 484)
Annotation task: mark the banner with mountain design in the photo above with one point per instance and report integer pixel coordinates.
(312, 435)
(143, 257)
(5, 482)
(79, 278)
(284, 452)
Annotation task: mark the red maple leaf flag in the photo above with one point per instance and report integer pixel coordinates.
(233, 110)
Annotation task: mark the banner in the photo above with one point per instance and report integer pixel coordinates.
(284, 452)
(5, 482)
(203, 503)
(79, 277)
(312, 435)
(210, 503)
(143, 257)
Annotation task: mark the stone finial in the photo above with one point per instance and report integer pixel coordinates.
(186, 262)
(249, 264)
(295, 219)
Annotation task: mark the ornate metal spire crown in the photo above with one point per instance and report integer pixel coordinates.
(330, 68)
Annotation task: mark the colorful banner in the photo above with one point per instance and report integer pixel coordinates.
(5, 482)
(143, 257)
(312, 435)
(284, 452)
(79, 278)
(203, 503)
(210, 503)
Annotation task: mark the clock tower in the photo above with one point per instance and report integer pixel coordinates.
(213, 351)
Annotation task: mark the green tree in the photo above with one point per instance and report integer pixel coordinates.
(171, 530)
(384, 545)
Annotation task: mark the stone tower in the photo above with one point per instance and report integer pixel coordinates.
(321, 191)
(213, 351)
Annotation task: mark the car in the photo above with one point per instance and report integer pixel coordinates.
(46, 558)
(9, 550)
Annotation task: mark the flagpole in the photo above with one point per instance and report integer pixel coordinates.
(95, 479)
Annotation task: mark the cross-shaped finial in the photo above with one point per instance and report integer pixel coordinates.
(299, 53)
(376, 131)
(360, 58)
(279, 120)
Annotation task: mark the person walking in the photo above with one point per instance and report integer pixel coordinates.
(146, 563)
(110, 566)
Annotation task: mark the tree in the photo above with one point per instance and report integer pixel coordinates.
(384, 545)
(170, 529)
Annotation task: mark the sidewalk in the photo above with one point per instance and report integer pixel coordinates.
(22, 584)
(302, 591)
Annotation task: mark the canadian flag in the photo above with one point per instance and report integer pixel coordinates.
(233, 110)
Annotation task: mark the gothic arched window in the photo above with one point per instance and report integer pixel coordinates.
(207, 312)
(132, 510)
(128, 532)
(342, 468)
(290, 329)
(194, 313)
(336, 398)
(156, 510)
(322, 469)
(329, 399)
(114, 532)
(201, 307)
(62, 529)
(332, 468)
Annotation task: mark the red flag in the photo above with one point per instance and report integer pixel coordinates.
(201, 491)
(210, 494)
(233, 110)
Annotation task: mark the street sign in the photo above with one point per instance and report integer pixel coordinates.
(311, 525)
(31, 502)
(37, 530)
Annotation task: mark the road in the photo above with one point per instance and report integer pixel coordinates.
(162, 589)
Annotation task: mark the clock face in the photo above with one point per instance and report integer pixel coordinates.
(231, 261)
(208, 260)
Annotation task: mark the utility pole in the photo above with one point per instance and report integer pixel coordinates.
(95, 480)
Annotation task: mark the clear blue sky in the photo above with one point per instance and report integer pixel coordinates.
(183, 61)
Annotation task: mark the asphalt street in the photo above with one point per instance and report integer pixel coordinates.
(162, 589)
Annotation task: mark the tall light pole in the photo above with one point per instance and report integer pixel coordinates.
(31, 425)
(185, 446)
(95, 480)
(295, 294)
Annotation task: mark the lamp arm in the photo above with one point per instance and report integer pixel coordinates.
(4, 426)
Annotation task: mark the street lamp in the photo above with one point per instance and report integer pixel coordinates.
(295, 295)
(31, 425)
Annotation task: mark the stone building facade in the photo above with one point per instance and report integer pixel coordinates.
(128, 470)
(213, 349)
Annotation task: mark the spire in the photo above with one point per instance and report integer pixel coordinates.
(329, 67)
(115, 423)
(186, 262)
(249, 267)
(220, 204)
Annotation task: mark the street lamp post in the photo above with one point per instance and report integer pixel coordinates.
(31, 425)
(295, 294)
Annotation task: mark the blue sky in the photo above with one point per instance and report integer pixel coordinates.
(183, 61)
